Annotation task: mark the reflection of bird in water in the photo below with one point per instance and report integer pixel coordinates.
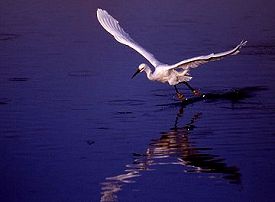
(176, 143)
(172, 74)
(173, 147)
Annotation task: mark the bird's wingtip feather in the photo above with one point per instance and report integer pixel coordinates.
(98, 11)
(243, 42)
(101, 11)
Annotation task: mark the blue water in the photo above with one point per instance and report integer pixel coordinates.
(75, 127)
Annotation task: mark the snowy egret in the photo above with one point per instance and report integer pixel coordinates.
(173, 74)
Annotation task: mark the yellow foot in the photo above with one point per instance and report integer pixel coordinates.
(180, 96)
(197, 93)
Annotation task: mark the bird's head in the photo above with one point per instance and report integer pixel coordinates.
(140, 68)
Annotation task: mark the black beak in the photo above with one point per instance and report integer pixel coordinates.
(138, 71)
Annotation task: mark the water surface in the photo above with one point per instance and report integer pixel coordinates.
(75, 127)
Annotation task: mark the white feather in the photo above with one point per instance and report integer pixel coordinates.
(112, 26)
(163, 73)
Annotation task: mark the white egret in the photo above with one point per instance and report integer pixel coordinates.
(173, 74)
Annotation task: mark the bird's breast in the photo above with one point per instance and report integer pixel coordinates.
(162, 76)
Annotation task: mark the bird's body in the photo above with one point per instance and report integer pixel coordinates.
(164, 73)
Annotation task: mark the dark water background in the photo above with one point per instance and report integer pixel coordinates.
(74, 127)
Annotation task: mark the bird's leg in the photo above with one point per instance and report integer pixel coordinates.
(194, 91)
(179, 95)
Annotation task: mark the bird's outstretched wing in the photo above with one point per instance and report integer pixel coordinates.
(112, 26)
(196, 61)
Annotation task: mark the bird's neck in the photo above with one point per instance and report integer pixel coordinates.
(148, 72)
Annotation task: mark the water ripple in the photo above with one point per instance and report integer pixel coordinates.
(7, 37)
(4, 101)
(129, 102)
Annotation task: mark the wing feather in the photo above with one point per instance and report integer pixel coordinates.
(196, 61)
(112, 26)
